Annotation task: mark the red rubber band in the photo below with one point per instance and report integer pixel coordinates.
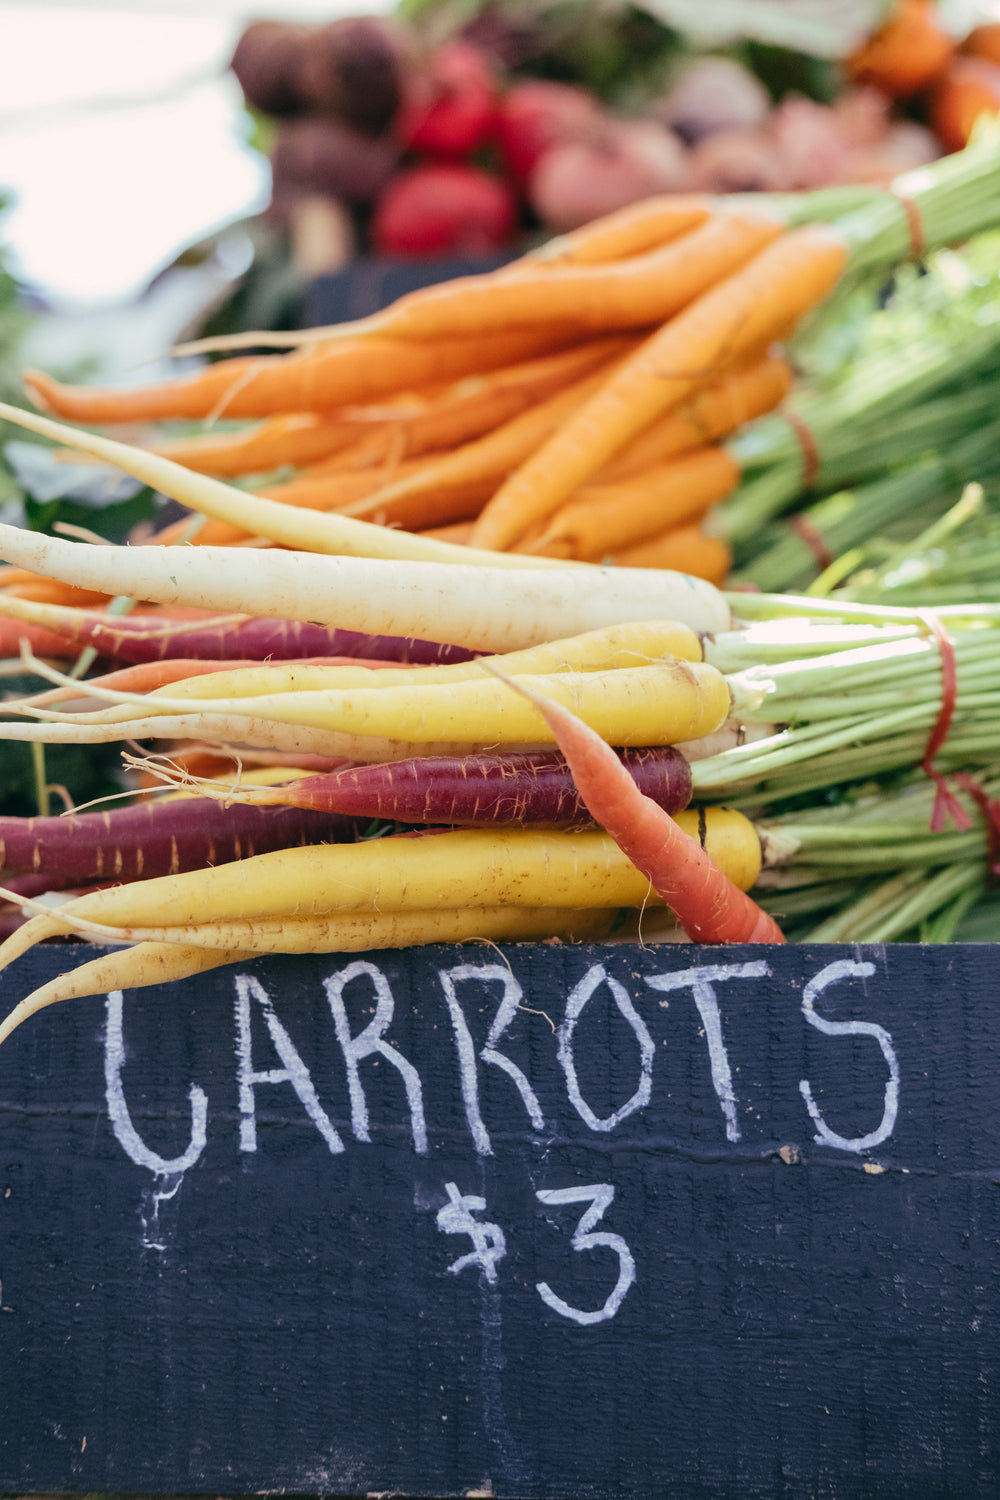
(990, 809)
(918, 239)
(946, 804)
(813, 538)
(807, 443)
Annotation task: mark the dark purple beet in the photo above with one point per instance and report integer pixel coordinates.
(486, 790)
(354, 69)
(320, 154)
(157, 838)
(266, 63)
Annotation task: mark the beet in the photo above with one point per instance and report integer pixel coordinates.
(266, 64)
(323, 155)
(354, 69)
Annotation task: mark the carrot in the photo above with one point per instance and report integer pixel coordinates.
(502, 867)
(293, 438)
(710, 908)
(46, 590)
(144, 636)
(472, 790)
(603, 519)
(282, 524)
(348, 370)
(151, 963)
(626, 232)
(481, 608)
(457, 533)
(42, 642)
(718, 408)
(689, 548)
(634, 644)
(444, 490)
(636, 292)
(126, 969)
(353, 934)
(787, 278)
(149, 839)
(648, 705)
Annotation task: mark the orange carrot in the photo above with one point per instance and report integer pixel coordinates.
(434, 493)
(293, 438)
(686, 549)
(788, 278)
(631, 293)
(400, 427)
(329, 375)
(709, 907)
(721, 406)
(626, 232)
(602, 519)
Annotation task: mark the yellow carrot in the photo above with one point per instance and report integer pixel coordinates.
(498, 868)
(634, 644)
(649, 705)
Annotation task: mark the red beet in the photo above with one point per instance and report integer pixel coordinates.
(444, 208)
(450, 108)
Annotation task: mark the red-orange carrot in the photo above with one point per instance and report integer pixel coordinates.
(709, 907)
(787, 278)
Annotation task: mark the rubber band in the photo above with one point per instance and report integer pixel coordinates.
(814, 539)
(990, 809)
(807, 443)
(946, 804)
(918, 239)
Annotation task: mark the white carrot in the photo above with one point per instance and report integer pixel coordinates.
(489, 609)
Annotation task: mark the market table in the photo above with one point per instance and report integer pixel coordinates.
(546, 1220)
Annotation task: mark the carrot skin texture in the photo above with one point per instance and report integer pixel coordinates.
(476, 790)
(150, 839)
(710, 908)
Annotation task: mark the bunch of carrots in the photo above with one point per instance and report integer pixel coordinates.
(315, 678)
(573, 404)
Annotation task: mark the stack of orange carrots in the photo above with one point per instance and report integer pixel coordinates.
(569, 405)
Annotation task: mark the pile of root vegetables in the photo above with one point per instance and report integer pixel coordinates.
(346, 731)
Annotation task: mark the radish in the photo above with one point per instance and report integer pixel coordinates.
(444, 208)
(450, 109)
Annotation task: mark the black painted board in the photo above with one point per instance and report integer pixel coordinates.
(540, 1221)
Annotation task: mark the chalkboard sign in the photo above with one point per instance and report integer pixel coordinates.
(534, 1221)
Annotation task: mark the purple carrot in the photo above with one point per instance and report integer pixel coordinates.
(476, 790)
(140, 638)
(157, 838)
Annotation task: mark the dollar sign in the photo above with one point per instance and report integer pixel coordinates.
(488, 1241)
